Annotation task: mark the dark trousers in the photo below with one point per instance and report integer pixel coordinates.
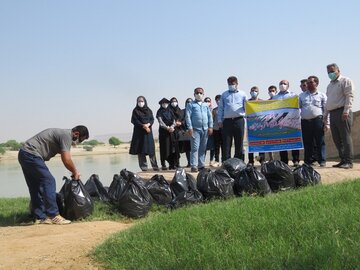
(217, 144)
(233, 128)
(41, 184)
(285, 158)
(313, 132)
(143, 162)
(341, 134)
(261, 155)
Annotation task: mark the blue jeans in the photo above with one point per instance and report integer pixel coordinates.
(41, 184)
(198, 148)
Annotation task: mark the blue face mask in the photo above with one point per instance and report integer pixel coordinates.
(332, 75)
(253, 94)
(233, 87)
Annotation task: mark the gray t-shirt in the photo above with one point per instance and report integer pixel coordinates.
(49, 142)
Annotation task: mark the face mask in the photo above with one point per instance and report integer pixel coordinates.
(141, 104)
(271, 94)
(174, 104)
(283, 87)
(253, 94)
(217, 102)
(233, 87)
(332, 75)
(198, 97)
(164, 105)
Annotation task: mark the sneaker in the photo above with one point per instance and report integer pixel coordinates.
(193, 169)
(346, 166)
(58, 220)
(156, 169)
(322, 164)
(338, 165)
(164, 168)
(41, 221)
(296, 164)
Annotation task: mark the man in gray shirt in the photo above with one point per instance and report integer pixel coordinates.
(42, 186)
(340, 96)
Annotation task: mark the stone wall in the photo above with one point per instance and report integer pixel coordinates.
(331, 151)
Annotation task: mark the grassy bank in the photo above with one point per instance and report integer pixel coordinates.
(15, 211)
(313, 228)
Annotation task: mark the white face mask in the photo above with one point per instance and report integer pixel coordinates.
(271, 94)
(283, 87)
(164, 105)
(174, 104)
(232, 87)
(141, 104)
(199, 97)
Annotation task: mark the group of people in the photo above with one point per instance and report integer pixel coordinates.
(199, 127)
(196, 129)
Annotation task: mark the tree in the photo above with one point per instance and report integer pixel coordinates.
(114, 141)
(92, 142)
(2, 150)
(13, 145)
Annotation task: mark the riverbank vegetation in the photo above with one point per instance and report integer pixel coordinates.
(313, 228)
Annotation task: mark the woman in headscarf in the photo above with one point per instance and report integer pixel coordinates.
(168, 146)
(142, 142)
(179, 126)
(184, 137)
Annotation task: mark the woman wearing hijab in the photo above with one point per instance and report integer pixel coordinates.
(179, 126)
(142, 142)
(168, 146)
(184, 137)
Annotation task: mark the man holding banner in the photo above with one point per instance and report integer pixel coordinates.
(274, 125)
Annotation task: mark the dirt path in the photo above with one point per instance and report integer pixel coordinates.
(66, 247)
(52, 246)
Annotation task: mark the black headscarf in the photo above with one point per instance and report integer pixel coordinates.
(144, 111)
(166, 114)
(176, 110)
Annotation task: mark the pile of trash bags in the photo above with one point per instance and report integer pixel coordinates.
(132, 196)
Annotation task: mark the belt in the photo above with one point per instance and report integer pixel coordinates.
(234, 118)
(313, 119)
(341, 108)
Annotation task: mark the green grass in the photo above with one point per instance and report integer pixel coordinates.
(15, 211)
(313, 228)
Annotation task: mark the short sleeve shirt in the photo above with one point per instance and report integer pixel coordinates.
(49, 142)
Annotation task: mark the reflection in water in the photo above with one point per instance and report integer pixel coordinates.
(12, 182)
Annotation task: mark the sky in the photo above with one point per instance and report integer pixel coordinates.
(67, 63)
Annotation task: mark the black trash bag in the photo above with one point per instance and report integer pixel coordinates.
(96, 188)
(116, 187)
(279, 175)
(215, 183)
(306, 175)
(135, 200)
(251, 181)
(77, 201)
(60, 201)
(184, 188)
(234, 166)
(159, 189)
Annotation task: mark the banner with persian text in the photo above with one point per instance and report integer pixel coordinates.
(273, 125)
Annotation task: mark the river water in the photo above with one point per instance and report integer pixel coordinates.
(12, 181)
